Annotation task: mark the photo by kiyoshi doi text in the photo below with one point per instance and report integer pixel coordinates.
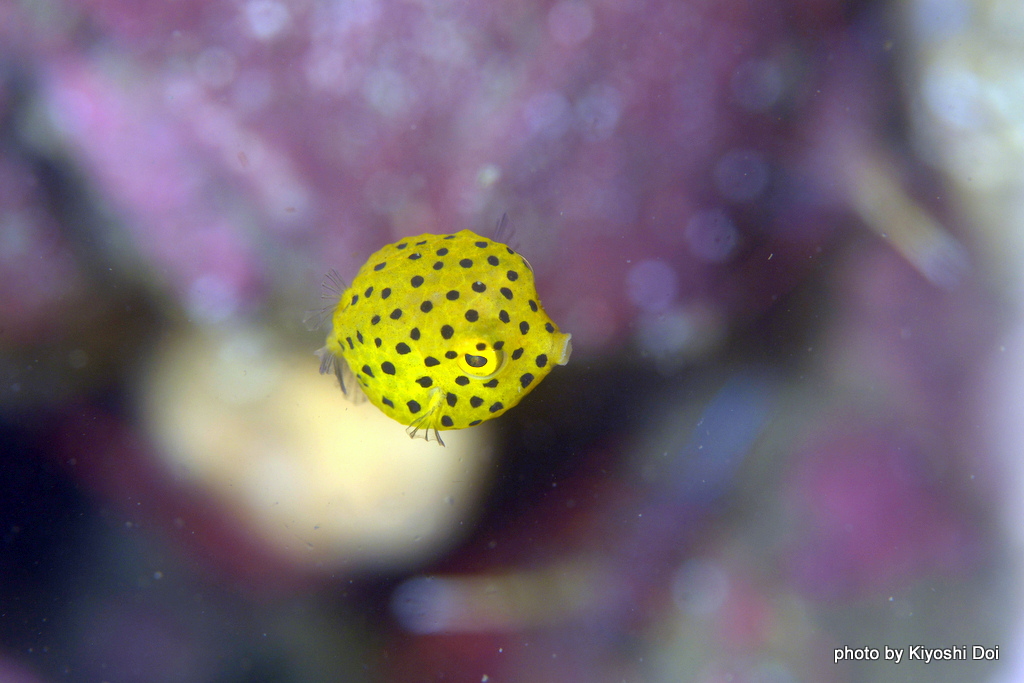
(917, 653)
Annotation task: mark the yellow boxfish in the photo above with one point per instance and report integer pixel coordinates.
(442, 332)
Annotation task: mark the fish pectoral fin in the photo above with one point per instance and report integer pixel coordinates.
(346, 378)
(425, 427)
(426, 433)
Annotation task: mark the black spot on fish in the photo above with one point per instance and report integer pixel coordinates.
(447, 331)
(451, 355)
(425, 381)
(368, 292)
(506, 292)
(426, 307)
(496, 407)
(443, 251)
(512, 275)
(490, 385)
(438, 265)
(374, 320)
(387, 368)
(350, 344)
(476, 401)
(503, 316)
(402, 348)
(420, 243)
(367, 371)
(414, 407)
(479, 287)
(414, 333)
(446, 421)
(452, 295)
(516, 354)
(533, 305)
(499, 345)
(385, 293)
(355, 298)
(472, 315)
(542, 360)
(387, 401)
(396, 314)
(481, 346)
(416, 281)
(524, 327)
(380, 266)
(403, 245)
(526, 379)
(466, 263)
(415, 257)
(549, 327)
(452, 399)
(474, 423)
(462, 380)
(430, 361)
(377, 342)
(493, 260)
(482, 245)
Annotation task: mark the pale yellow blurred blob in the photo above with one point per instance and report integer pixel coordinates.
(876, 193)
(965, 89)
(504, 601)
(320, 479)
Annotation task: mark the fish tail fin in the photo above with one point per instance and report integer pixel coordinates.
(333, 285)
(329, 362)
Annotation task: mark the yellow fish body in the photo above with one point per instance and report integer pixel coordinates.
(443, 332)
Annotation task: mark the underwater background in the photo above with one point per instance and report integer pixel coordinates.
(785, 236)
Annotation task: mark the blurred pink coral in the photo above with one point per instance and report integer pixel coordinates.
(241, 129)
(156, 175)
(673, 168)
(871, 517)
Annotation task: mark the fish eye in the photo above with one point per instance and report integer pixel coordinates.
(479, 359)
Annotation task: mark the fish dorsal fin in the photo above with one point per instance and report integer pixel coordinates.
(505, 231)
